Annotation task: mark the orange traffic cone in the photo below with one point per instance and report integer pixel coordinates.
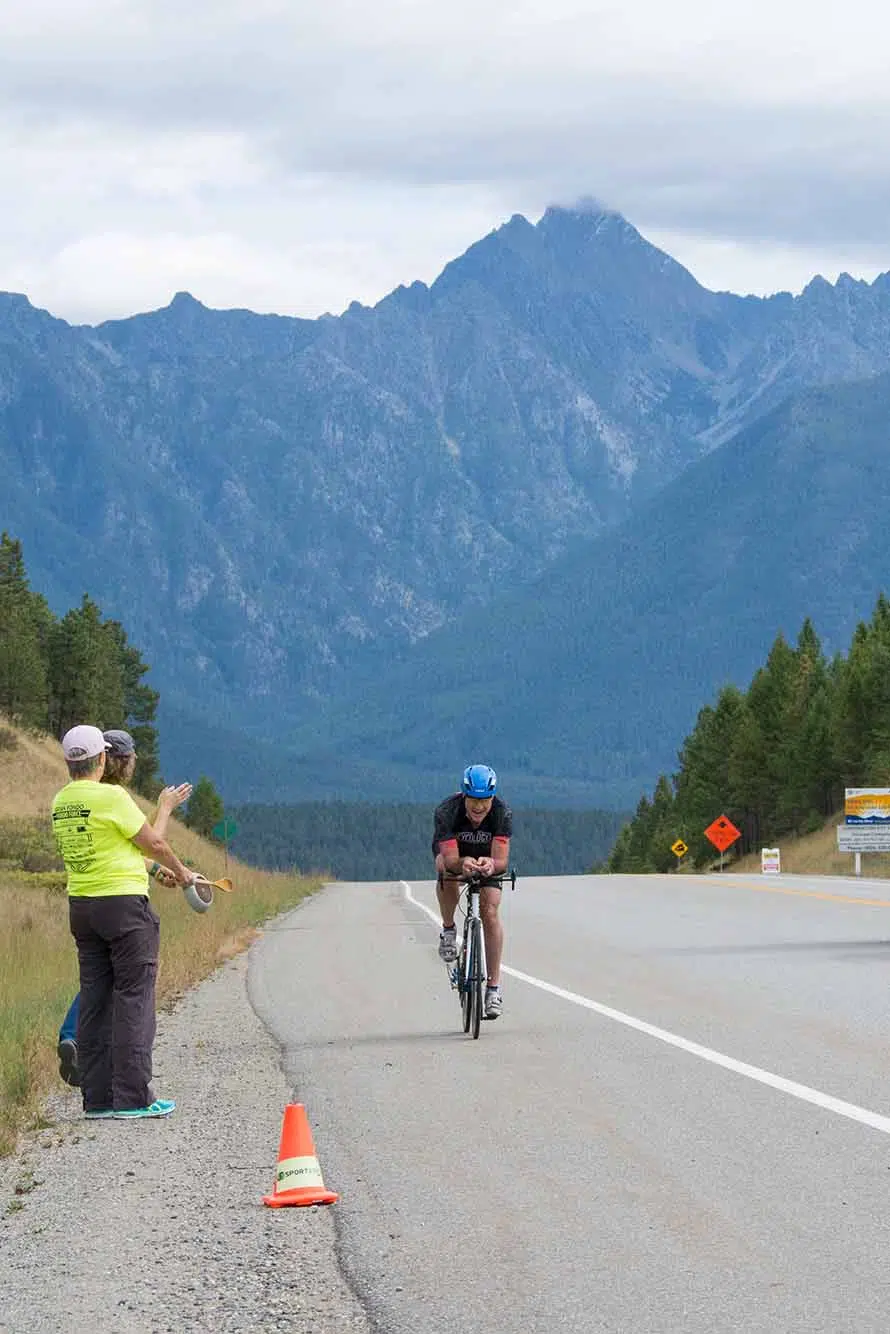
(297, 1176)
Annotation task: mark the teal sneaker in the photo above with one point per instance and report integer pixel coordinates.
(160, 1107)
(99, 1114)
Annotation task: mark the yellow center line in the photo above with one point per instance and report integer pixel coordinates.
(806, 893)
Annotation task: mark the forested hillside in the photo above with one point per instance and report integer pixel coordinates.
(599, 669)
(363, 841)
(58, 671)
(776, 757)
(80, 668)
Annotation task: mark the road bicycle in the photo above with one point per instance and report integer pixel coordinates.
(469, 974)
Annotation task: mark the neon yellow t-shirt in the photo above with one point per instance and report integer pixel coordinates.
(93, 824)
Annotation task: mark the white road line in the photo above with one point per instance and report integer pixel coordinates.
(790, 1086)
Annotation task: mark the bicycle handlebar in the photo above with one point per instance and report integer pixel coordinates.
(476, 878)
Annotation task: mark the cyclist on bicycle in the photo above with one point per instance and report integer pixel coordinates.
(472, 832)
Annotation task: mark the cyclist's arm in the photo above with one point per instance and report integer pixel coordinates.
(454, 863)
(496, 864)
(500, 854)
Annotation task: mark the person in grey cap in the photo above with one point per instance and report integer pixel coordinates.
(103, 838)
(120, 762)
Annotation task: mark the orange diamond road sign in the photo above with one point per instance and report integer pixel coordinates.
(722, 833)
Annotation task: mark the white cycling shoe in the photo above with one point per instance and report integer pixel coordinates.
(448, 944)
(493, 1003)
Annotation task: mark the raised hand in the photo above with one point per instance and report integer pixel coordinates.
(171, 797)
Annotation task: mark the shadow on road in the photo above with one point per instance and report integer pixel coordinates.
(448, 1036)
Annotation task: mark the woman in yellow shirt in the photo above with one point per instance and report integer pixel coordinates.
(120, 763)
(104, 838)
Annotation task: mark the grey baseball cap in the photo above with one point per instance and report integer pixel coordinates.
(120, 742)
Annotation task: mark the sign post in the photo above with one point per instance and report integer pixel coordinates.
(722, 833)
(225, 830)
(679, 849)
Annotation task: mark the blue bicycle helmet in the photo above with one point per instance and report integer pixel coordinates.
(479, 781)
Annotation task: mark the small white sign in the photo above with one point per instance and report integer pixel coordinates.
(770, 861)
(863, 838)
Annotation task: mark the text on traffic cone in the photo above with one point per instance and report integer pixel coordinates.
(298, 1176)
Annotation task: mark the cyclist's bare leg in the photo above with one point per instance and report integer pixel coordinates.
(489, 902)
(447, 892)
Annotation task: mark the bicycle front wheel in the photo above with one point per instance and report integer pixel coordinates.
(463, 981)
(475, 979)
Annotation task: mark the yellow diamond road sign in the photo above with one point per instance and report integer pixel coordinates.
(679, 849)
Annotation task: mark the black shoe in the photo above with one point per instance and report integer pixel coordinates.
(67, 1050)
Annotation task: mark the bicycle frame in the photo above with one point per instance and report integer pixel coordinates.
(469, 975)
(471, 963)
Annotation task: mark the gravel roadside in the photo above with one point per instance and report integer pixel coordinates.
(156, 1227)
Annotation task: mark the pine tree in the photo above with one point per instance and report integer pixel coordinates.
(703, 785)
(861, 705)
(205, 808)
(876, 757)
(804, 761)
(850, 722)
(86, 676)
(140, 703)
(23, 619)
(617, 861)
(663, 827)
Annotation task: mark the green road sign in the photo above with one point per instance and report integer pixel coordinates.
(225, 830)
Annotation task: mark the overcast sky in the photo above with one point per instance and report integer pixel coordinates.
(293, 155)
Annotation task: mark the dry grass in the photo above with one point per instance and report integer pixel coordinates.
(817, 854)
(38, 964)
(30, 774)
(38, 977)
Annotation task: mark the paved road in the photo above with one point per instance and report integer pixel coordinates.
(689, 1132)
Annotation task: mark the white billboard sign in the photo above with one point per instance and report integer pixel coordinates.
(770, 861)
(863, 838)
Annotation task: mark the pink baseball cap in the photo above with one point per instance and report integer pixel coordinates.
(83, 742)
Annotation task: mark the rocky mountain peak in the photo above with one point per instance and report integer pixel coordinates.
(302, 492)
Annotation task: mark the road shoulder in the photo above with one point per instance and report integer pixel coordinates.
(159, 1226)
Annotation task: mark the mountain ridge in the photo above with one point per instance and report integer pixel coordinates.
(700, 597)
(269, 503)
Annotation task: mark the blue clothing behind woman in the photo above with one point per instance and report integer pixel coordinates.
(68, 1031)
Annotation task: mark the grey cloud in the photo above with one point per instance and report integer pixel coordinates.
(386, 99)
(806, 176)
(803, 174)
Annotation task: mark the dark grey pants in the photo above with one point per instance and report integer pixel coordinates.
(117, 937)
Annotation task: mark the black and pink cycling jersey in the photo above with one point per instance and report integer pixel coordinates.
(452, 822)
